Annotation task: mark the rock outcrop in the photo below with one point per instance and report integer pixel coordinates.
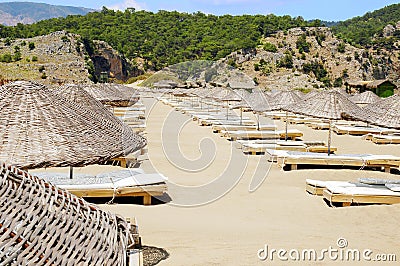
(341, 61)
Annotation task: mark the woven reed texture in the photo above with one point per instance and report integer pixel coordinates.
(366, 97)
(113, 94)
(284, 98)
(41, 128)
(385, 112)
(326, 104)
(43, 225)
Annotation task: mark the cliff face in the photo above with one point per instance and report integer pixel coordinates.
(60, 57)
(106, 59)
(314, 57)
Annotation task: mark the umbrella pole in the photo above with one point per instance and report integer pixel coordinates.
(286, 126)
(241, 116)
(71, 172)
(227, 110)
(258, 121)
(329, 137)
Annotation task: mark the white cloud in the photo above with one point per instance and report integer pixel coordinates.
(127, 3)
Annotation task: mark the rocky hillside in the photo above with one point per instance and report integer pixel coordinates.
(59, 57)
(12, 13)
(313, 57)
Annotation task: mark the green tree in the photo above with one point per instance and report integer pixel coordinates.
(31, 46)
(270, 47)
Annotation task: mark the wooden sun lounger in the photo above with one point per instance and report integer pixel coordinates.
(319, 125)
(257, 148)
(219, 128)
(316, 187)
(345, 196)
(230, 121)
(293, 159)
(125, 183)
(385, 139)
(276, 115)
(258, 134)
(354, 130)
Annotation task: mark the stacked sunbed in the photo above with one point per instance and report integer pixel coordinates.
(290, 160)
(365, 191)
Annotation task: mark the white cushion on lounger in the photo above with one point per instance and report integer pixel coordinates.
(393, 187)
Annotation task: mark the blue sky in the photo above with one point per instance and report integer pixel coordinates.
(308, 9)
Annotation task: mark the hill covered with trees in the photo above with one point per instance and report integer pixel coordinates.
(164, 38)
(368, 30)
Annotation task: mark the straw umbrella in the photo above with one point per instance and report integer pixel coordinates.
(367, 97)
(385, 112)
(330, 105)
(113, 94)
(243, 103)
(41, 224)
(280, 100)
(259, 102)
(41, 128)
(228, 96)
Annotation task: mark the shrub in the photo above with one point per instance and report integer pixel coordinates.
(286, 61)
(31, 46)
(34, 58)
(41, 68)
(302, 44)
(6, 58)
(270, 47)
(341, 47)
(17, 56)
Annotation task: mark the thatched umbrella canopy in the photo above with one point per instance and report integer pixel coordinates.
(41, 128)
(76, 94)
(367, 97)
(330, 105)
(113, 94)
(385, 112)
(284, 98)
(41, 224)
(227, 95)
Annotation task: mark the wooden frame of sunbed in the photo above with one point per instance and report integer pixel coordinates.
(346, 199)
(358, 131)
(259, 134)
(295, 159)
(385, 139)
(145, 191)
(219, 128)
(259, 149)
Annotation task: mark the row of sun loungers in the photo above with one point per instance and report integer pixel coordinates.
(366, 191)
(134, 116)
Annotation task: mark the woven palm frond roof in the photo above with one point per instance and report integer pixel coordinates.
(41, 224)
(113, 94)
(41, 128)
(366, 97)
(284, 98)
(327, 104)
(385, 112)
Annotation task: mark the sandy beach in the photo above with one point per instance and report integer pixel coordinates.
(213, 218)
